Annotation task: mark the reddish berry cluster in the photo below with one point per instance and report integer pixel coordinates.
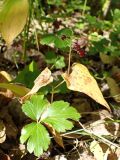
(78, 49)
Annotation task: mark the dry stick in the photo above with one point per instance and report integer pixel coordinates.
(102, 138)
(52, 95)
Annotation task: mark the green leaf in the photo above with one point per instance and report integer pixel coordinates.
(60, 43)
(50, 57)
(47, 39)
(28, 75)
(57, 39)
(35, 107)
(57, 115)
(37, 138)
(60, 63)
(57, 61)
(66, 31)
(15, 88)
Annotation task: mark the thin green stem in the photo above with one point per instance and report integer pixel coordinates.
(26, 31)
(84, 7)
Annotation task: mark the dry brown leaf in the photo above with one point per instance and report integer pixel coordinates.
(11, 130)
(57, 137)
(81, 80)
(43, 79)
(2, 132)
(4, 157)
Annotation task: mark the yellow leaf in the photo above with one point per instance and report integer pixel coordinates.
(81, 80)
(43, 79)
(13, 16)
(97, 150)
(5, 75)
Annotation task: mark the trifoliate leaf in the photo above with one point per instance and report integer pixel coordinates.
(13, 16)
(61, 39)
(37, 136)
(57, 114)
(35, 107)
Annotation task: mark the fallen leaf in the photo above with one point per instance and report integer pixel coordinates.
(2, 132)
(96, 149)
(4, 156)
(43, 79)
(81, 80)
(107, 59)
(114, 89)
(11, 130)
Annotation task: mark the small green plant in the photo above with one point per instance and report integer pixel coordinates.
(56, 115)
(102, 36)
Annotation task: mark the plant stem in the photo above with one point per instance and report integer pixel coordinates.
(69, 60)
(26, 31)
(84, 8)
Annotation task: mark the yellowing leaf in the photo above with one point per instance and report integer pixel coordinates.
(42, 80)
(81, 80)
(13, 16)
(114, 89)
(18, 90)
(5, 75)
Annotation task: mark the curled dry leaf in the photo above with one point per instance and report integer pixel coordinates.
(81, 80)
(5, 76)
(43, 79)
(57, 137)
